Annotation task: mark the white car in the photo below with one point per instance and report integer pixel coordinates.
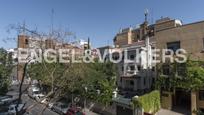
(50, 105)
(37, 96)
(35, 93)
(15, 82)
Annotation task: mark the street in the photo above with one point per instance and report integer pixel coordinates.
(36, 109)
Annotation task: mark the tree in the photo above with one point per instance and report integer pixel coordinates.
(61, 79)
(101, 81)
(5, 70)
(99, 78)
(191, 77)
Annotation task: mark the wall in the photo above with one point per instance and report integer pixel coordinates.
(190, 36)
(166, 100)
(200, 103)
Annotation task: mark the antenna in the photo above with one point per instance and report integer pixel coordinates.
(120, 30)
(52, 20)
(23, 27)
(88, 43)
(146, 14)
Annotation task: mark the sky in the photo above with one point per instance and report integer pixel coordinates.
(100, 20)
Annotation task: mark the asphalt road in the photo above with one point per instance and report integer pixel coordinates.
(35, 108)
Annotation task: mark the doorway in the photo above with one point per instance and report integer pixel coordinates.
(182, 101)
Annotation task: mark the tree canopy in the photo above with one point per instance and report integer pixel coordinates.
(5, 70)
(191, 76)
(99, 78)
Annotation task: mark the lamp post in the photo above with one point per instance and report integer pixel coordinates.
(86, 89)
(115, 93)
(98, 91)
(135, 111)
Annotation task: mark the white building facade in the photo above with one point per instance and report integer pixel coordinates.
(136, 71)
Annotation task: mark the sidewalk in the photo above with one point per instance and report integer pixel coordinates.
(88, 112)
(167, 112)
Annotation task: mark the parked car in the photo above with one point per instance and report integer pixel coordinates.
(60, 108)
(15, 82)
(35, 93)
(12, 109)
(38, 96)
(5, 96)
(50, 105)
(74, 111)
(3, 109)
(5, 100)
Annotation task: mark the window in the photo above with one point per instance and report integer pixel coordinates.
(153, 58)
(138, 36)
(166, 70)
(153, 69)
(122, 68)
(131, 82)
(144, 81)
(26, 41)
(201, 95)
(138, 67)
(115, 56)
(181, 69)
(132, 67)
(132, 57)
(173, 45)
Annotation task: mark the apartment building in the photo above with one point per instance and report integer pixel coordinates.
(131, 35)
(136, 71)
(29, 42)
(136, 75)
(189, 37)
(166, 33)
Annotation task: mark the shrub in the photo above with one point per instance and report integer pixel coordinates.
(150, 102)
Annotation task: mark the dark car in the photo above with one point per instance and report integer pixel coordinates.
(6, 100)
(4, 109)
(74, 111)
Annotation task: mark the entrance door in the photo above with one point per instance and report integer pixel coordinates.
(182, 100)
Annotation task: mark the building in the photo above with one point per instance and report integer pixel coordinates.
(166, 33)
(136, 73)
(136, 77)
(170, 34)
(131, 35)
(30, 42)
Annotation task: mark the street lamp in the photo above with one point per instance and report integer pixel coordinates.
(86, 89)
(98, 91)
(136, 108)
(115, 93)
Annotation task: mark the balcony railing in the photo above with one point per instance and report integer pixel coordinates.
(129, 73)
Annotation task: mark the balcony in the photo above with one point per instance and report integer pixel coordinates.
(132, 62)
(130, 73)
(141, 73)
